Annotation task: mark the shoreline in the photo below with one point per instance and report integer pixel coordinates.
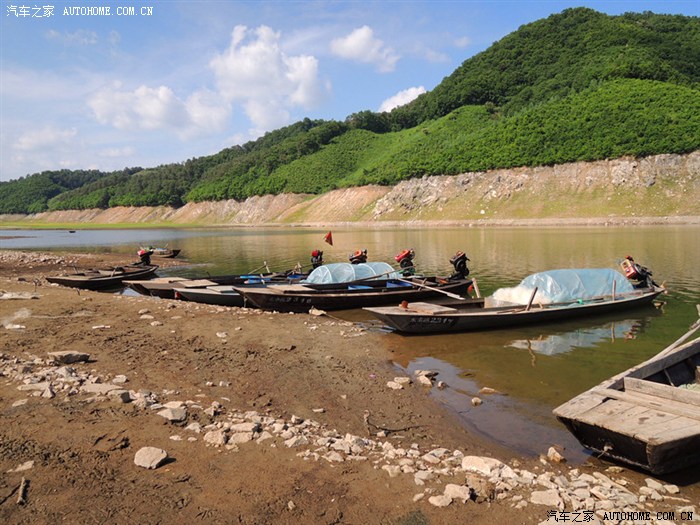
(418, 224)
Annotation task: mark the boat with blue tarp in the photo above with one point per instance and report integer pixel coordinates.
(542, 297)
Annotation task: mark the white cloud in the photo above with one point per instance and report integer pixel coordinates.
(81, 37)
(462, 42)
(46, 137)
(362, 46)
(255, 72)
(401, 98)
(159, 108)
(118, 153)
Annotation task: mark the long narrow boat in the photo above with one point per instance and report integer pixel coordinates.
(104, 279)
(647, 416)
(165, 253)
(493, 314)
(218, 295)
(165, 287)
(302, 297)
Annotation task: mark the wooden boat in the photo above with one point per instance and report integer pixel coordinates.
(104, 279)
(218, 295)
(165, 287)
(302, 297)
(647, 416)
(163, 253)
(424, 318)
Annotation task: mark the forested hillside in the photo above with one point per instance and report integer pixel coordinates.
(579, 85)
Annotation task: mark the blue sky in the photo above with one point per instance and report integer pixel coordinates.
(178, 79)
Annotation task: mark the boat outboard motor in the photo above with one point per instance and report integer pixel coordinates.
(316, 258)
(359, 257)
(405, 260)
(145, 257)
(637, 274)
(459, 261)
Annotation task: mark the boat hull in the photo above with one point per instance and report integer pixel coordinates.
(217, 295)
(165, 254)
(343, 297)
(471, 319)
(165, 287)
(639, 417)
(104, 279)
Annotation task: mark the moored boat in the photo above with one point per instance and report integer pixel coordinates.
(647, 416)
(564, 294)
(342, 286)
(165, 287)
(302, 297)
(162, 252)
(102, 279)
(218, 295)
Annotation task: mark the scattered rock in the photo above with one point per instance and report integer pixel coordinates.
(150, 457)
(68, 357)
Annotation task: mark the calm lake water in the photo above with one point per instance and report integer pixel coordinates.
(536, 368)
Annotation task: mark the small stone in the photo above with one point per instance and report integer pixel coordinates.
(460, 492)
(173, 414)
(68, 357)
(150, 457)
(546, 497)
(476, 401)
(440, 501)
(554, 456)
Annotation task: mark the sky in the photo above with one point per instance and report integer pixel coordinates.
(162, 81)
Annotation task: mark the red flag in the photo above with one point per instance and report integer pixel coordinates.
(329, 238)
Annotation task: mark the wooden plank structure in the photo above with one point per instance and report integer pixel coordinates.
(647, 416)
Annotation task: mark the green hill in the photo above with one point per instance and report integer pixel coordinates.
(576, 86)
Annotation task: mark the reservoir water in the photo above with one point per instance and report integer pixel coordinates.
(534, 368)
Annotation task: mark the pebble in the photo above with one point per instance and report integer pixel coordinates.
(150, 457)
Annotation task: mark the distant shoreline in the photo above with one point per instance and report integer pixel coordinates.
(481, 223)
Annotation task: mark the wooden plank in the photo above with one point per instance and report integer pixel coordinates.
(222, 288)
(682, 429)
(663, 391)
(579, 405)
(196, 283)
(656, 363)
(662, 405)
(607, 414)
(641, 417)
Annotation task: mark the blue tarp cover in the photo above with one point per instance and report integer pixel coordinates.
(555, 286)
(346, 272)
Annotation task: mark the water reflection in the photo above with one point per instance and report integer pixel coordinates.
(583, 338)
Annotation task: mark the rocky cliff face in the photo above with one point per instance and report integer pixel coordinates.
(661, 186)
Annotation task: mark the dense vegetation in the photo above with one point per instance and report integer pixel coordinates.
(579, 85)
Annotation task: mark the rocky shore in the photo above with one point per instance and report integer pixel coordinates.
(123, 409)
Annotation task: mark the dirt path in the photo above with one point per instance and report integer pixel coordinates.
(287, 419)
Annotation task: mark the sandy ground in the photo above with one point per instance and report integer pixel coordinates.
(70, 457)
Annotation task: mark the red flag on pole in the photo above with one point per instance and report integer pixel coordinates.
(329, 238)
